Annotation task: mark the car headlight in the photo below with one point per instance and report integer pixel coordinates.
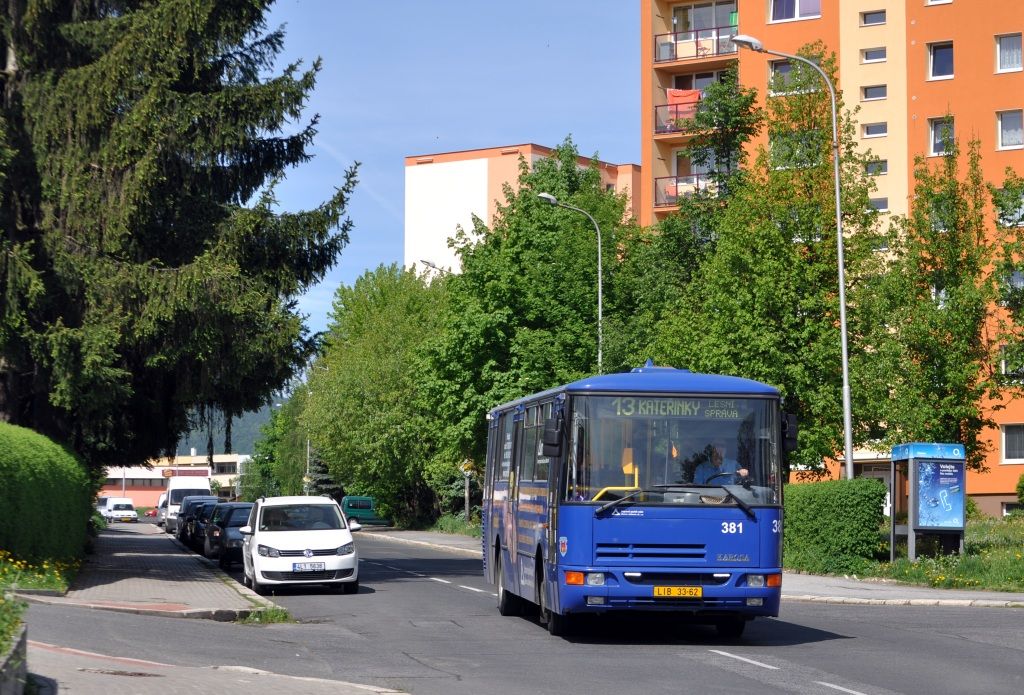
(347, 549)
(267, 551)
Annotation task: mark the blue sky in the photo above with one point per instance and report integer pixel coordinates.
(410, 77)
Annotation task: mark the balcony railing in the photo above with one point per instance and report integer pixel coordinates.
(669, 189)
(671, 118)
(700, 43)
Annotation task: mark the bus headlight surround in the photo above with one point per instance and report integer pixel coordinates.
(595, 578)
(755, 581)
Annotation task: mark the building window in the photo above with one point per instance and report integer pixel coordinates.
(873, 18)
(879, 204)
(798, 149)
(873, 92)
(1009, 209)
(877, 168)
(937, 2)
(941, 135)
(1011, 129)
(940, 60)
(780, 76)
(1008, 53)
(783, 10)
(1010, 507)
(699, 80)
(875, 130)
(1013, 443)
(873, 55)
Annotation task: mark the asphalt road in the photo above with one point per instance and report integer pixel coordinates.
(425, 622)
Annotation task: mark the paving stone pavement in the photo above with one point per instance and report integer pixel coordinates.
(137, 568)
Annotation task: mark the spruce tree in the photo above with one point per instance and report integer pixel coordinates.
(149, 278)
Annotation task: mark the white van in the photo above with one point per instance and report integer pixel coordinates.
(108, 506)
(180, 486)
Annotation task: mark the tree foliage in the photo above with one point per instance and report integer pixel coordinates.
(148, 278)
(523, 312)
(365, 411)
(935, 312)
(764, 302)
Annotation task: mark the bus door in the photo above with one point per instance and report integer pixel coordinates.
(512, 520)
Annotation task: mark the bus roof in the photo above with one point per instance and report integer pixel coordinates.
(652, 379)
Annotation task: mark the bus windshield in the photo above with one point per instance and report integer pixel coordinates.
(668, 447)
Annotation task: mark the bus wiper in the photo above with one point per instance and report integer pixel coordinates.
(614, 503)
(739, 503)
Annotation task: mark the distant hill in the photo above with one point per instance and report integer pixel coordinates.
(245, 430)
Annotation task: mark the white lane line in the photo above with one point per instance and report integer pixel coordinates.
(472, 588)
(839, 688)
(740, 658)
(435, 579)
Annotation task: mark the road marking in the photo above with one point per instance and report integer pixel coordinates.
(740, 658)
(840, 688)
(472, 588)
(443, 581)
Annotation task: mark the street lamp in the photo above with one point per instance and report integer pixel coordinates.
(744, 41)
(600, 330)
(436, 268)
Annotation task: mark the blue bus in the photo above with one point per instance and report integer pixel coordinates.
(659, 489)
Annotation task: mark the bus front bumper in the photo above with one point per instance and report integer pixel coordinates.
(750, 591)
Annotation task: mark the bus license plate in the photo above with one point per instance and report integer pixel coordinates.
(307, 567)
(678, 592)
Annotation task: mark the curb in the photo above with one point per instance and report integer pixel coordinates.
(397, 539)
(14, 668)
(849, 600)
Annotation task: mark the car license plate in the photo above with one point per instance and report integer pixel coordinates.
(678, 592)
(307, 567)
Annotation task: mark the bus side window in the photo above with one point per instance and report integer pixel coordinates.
(505, 444)
(529, 448)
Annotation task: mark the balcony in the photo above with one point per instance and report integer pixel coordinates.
(669, 189)
(696, 44)
(672, 118)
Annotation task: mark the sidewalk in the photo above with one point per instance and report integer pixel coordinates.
(137, 568)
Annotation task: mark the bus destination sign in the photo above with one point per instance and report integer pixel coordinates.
(704, 408)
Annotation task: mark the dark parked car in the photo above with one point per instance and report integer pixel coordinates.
(223, 541)
(197, 522)
(189, 506)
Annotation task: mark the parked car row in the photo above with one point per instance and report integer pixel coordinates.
(278, 540)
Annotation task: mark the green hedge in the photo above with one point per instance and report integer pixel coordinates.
(45, 497)
(832, 527)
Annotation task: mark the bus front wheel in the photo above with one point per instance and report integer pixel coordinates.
(508, 603)
(556, 623)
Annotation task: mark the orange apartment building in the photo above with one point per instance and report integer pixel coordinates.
(446, 190)
(906, 63)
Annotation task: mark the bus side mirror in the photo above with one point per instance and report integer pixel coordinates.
(789, 432)
(552, 437)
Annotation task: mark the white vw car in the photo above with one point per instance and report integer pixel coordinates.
(299, 540)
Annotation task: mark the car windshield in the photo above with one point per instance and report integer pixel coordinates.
(121, 507)
(178, 495)
(300, 517)
(238, 517)
(662, 445)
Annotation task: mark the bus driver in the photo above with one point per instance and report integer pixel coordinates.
(721, 467)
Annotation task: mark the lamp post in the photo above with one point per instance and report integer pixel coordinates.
(744, 41)
(436, 268)
(600, 318)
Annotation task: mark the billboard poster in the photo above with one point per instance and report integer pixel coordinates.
(940, 495)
